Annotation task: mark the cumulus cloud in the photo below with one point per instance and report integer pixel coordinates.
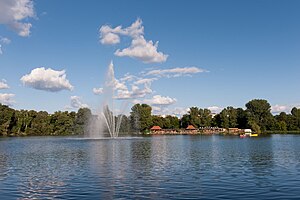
(128, 77)
(3, 41)
(143, 50)
(281, 108)
(158, 100)
(179, 111)
(175, 72)
(15, 13)
(140, 48)
(215, 109)
(76, 103)
(135, 92)
(97, 91)
(3, 84)
(47, 79)
(144, 81)
(163, 111)
(7, 99)
(110, 35)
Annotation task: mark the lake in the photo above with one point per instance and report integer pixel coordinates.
(158, 167)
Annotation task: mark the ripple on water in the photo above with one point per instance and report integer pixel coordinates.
(178, 167)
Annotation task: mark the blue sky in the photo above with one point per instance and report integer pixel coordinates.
(210, 53)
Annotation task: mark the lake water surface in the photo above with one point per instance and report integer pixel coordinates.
(160, 167)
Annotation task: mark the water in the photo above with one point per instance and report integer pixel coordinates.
(161, 167)
(107, 120)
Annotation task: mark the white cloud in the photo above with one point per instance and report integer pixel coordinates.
(143, 50)
(3, 41)
(175, 72)
(110, 35)
(158, 100)
(140, 48)
(47, 79)
(145, 81)
(136, 29)
(135, 92)
(281, 108)
(3, 84)
(164, 111)
(215, 109)
(120, 85)
(97, 90)
(7, 99)
(128, 77)
(76, 103)
(179, 111)
(13, 13)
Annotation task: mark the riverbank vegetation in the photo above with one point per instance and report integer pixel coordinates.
(256, 116)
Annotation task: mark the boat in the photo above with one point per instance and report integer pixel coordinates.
(253, 135)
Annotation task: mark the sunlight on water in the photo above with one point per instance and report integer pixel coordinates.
(162, 167)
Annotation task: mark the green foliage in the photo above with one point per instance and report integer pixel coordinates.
(171, 122)
(197, 117)
(81, 120)
(140, 117)
(257, 116)
(254, 126)
(259, 113)
(24, 122)
(158, 121)
(168, 122)
(125, 124)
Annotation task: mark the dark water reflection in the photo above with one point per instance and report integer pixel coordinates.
(163, 167)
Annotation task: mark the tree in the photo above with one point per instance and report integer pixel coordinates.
(125, 124)
(140, 117)
(194, 117)
(81, 120)
(259, 113)
(242, 119)
(40, 125)
(158, 121)
(205, 117)
(296, 115)
(62, 123)
(185, 121)
(6, 119)
(228, 117)
(173, 122)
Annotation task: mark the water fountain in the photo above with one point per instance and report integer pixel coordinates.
(106, 119)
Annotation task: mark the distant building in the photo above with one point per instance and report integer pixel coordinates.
(156, 130)
(234, 130)
(191, 129)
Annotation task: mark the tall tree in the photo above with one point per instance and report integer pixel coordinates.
(82, 120)
(205, 117)
(140, 117)
(259, 112)
(296, 115)
(173, 122)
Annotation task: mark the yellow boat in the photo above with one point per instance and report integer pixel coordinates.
(253, 135)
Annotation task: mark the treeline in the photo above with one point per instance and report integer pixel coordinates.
(24, 122)
(256, 116)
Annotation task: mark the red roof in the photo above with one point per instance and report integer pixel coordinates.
(156, 128)
(190, 127)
